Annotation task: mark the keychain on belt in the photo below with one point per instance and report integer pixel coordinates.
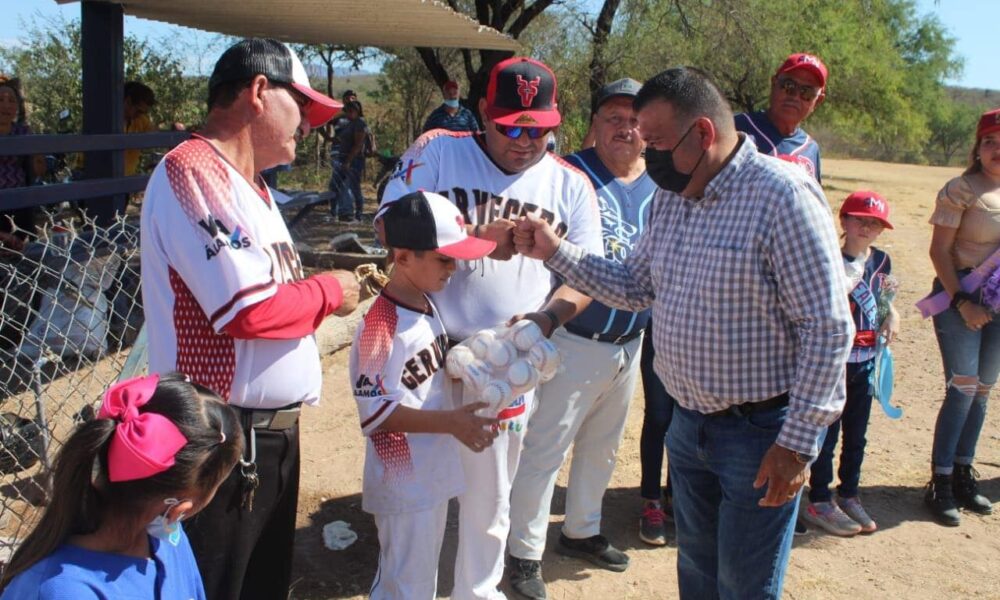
(248, 469)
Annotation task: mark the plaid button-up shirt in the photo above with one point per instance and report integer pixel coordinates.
(747, 289)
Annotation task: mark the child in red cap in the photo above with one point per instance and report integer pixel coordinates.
(863, 216)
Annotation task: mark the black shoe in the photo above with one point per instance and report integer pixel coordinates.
(525, 577)
(967, 490)
(596, 549)
(800, 527)
(940, 499)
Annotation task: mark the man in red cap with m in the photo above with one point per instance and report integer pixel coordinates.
(797, 88)
(228, 305)
(494, 177)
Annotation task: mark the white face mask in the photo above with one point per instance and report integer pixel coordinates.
(161, 529)
(451, 103)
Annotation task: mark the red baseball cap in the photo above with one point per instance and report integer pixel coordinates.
(450, 85)
(865, 203)
(807, 62)
(988, 123)
(522, 92)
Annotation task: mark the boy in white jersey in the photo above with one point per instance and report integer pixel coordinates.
(396, 367)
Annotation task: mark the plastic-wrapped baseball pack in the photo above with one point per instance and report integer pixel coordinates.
(500, 363)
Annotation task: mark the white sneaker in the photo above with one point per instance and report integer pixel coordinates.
(829, 517)
(852, 507)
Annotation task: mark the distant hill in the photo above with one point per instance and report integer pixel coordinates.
(978, 98)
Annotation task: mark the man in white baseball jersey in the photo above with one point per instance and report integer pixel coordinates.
(587, 403)
(494, 177)
(227, 304)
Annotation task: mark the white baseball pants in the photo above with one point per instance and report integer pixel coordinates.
(484, 508)
(586, 406)
(409, 548)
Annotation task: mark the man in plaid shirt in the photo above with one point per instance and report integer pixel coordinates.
(741, 266)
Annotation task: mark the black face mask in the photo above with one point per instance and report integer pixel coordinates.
(660, 166)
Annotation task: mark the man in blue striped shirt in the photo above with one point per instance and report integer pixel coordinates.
(741, 266)
(586, 404)
(451, 115)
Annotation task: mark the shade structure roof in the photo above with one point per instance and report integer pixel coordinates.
(385, 23)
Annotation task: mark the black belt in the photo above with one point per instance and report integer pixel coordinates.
(748, 408)
(275, 419)
(603, 337)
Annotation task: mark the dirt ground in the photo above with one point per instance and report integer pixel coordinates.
(909, 557)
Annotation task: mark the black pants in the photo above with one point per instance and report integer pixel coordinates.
(247, 555)
(655, 422)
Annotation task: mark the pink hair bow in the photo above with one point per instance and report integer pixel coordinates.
(143, 444)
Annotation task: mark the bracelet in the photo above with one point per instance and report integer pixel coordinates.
(475, 231)
(552, 317)
(961, 297)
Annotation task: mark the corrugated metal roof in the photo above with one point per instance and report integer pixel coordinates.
(383, 23)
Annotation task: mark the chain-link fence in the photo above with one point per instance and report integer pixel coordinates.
(70, 314)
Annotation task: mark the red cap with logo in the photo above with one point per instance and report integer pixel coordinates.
(988, 123)
(807, 62)
(522, 92)
(865, 203)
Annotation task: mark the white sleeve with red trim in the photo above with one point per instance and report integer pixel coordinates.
(200, 215)
(376, 365)
(585, 216)
(418, 168)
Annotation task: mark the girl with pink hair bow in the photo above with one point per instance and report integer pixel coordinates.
(155, 455)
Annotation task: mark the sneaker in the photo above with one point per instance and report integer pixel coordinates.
(966, 490)
(651, 524)
(525, 577)
(852, 508)
(828, 516)
(940, 500)
(596, 549)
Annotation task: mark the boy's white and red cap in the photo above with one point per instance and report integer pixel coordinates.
(865, 203)
(426, 221)
(276, 61)
(806, 62)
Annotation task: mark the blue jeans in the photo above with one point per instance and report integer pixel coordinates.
(728, 547)
(854, 423)
(965, 353)
(655, 421)
(347, 184)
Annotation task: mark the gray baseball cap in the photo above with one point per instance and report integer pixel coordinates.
(626, 87)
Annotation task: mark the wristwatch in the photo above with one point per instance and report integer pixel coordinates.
(962, 296)
(802, 459)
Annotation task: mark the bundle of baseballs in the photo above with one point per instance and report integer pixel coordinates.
(499, 364)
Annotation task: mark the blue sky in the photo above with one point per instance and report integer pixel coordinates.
(971, 22)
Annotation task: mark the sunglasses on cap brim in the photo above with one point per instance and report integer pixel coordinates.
(514, 132)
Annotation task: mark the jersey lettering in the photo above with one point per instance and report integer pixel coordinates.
(425, 363)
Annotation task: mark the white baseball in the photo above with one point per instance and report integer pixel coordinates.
(458, 357)
(480, 342)
(475, 376)
(544, 356)
(501, 353)
(521, 375)
(525, 334)
(498, 394)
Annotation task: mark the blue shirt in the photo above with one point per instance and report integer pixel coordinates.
(75, 573)
(877, 268)
(798, 147)
(624, 214)
(440, 118)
